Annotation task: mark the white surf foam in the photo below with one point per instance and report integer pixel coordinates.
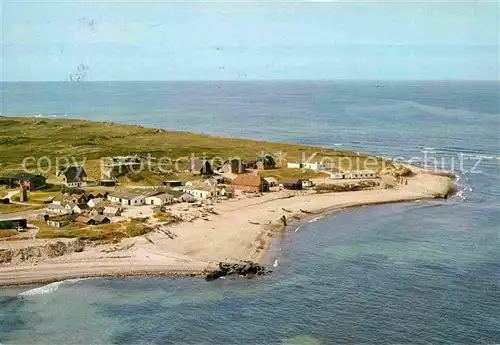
(315, 219)
(49, 288)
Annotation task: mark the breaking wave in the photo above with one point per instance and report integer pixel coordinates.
(49, 288)
(315, 219)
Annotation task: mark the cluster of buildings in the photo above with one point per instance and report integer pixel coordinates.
(316, 166)
(198, 166)
(353, 174)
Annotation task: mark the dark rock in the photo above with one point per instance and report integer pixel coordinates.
(241, 268)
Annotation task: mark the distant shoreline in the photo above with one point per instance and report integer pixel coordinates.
(201, 245)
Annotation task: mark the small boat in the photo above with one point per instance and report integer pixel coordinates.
(304, 211)
(286, 210)
(276, 263)
(254, 223)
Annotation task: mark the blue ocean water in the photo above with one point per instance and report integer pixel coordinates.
(421, 272)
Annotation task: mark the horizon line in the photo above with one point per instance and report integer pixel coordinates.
(247, 80)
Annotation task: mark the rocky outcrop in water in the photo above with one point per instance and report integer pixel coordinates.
(241, 268)
(37, 253)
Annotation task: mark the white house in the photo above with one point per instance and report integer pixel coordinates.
(124, 198)
(56, 208)
(96, 202)
(71, 207)
(272, 181)
(319, 166)
(312, 165)
(203, 192)
(293, 165)
(112, 211)
(354, 174)
(160, 199)
(181, 196)
(306, 183)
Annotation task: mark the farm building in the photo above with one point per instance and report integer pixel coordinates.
(181, 196)
(73, 176)
(306, 183)
(234, 166)
(160, 199)
(38, 217)
(30, 181)
(57, 208)
(107, 183)
(250, 182)
(354, 174)
(13, 223)
(293, 165)
(272, 181)
(95, 220)
(112, 211)
(317, 166)
(95, 202)
(199, 167)
(79, 199)
(202, 192)
(57, 222)
(172, 183)
(290, 183)
(126, 198)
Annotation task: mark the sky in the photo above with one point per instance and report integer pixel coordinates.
(243, 40)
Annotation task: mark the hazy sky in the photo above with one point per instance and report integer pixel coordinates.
(250, 40)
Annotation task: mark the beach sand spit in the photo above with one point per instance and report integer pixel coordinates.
(241, 230)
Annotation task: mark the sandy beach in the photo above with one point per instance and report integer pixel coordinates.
(200, 245)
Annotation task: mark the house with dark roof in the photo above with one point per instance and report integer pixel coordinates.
(30, 181)
(250, 182)
(73, 176)
(290, 183)
(199, 167)
(181, 196)
(235, 166)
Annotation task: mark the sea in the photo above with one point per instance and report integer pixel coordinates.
(425, 272)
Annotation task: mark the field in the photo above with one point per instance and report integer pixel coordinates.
(46, 143)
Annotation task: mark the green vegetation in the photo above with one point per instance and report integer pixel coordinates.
(346, 187)
(90, 141)
(112, 232)
(40, 196)
(292, 173)
(165, 217)
(135, 177)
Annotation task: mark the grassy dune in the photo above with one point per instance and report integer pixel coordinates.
(85, 140)
(111, 232)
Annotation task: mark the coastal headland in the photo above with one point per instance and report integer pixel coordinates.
(181, 239)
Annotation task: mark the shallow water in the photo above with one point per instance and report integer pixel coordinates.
(420, 272)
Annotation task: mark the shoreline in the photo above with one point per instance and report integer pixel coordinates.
(327, 211)
(228, 237)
